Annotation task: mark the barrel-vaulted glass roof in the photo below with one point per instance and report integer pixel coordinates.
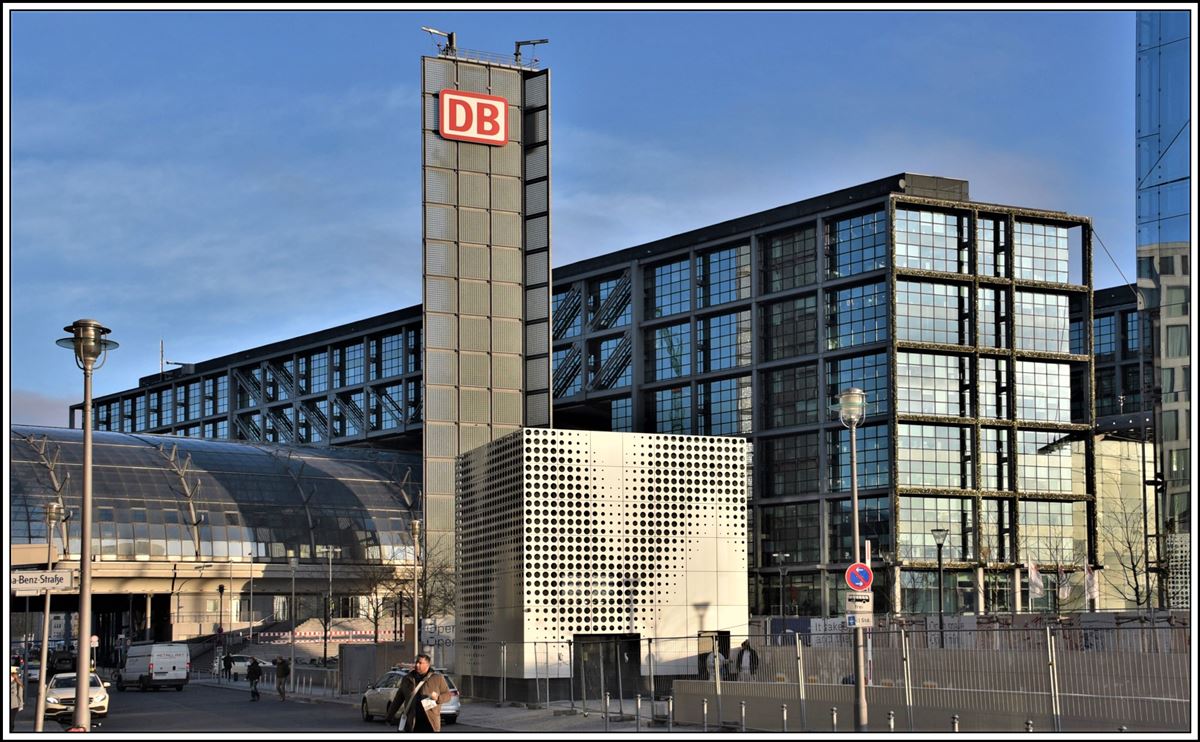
(172, 498)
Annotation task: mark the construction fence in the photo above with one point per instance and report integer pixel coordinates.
(1052, 678)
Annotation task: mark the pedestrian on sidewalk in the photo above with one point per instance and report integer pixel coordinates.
(16, 697)
(254, 674)
(227, 664)
(282, 671)
(747, 662)
(417, 705)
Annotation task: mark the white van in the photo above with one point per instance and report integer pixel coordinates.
(151, 665)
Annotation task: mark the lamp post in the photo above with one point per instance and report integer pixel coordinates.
(779, 560)
(179, 592)
(939, 536)
(416, 537)
(293, 561)
(88, 341)
(328, 550)
(851, 406)
(54, 515)
(220, 622)
(251, 616)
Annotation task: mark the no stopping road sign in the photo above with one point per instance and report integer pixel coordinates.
(859, 576)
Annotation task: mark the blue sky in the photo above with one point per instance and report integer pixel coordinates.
(223, 180)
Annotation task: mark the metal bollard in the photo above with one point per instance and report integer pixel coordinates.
(1029, 725)
(606, 710)
(833, 713)
(954, 723)
(743, 705)
(891, 721)
(783, 707)
(670, 712)
(637, 704)
(704, 711)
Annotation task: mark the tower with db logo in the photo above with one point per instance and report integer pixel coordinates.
(485, 121)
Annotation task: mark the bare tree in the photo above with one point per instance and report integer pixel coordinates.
(436, 578)
(1123, 540)
(1057, 546)
(379, 587)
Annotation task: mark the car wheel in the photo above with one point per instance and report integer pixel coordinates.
(450, 719)
(366, 715)
(144, 684)
(178, 687)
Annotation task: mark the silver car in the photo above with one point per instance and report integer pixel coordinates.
(378, 695)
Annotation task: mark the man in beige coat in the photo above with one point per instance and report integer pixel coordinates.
(419, 698)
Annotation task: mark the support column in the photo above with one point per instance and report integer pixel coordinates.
(148, 636)
(980, 604)
(1016, 589)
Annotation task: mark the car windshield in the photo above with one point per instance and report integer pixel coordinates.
(68, 681)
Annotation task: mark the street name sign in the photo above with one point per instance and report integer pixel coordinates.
(34, 582)
(859, 576)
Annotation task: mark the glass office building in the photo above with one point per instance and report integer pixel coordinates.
(954, 316)
(1164, 104)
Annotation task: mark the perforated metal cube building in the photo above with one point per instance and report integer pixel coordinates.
(566, 534)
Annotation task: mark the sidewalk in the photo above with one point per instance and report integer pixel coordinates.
(511, 718)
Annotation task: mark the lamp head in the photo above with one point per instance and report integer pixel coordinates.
(88, 341)
(851, 406)
(939, 535)
(54, 513)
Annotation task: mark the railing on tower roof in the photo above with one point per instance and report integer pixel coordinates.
(495, 58)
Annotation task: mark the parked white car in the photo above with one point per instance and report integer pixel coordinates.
(378, 695)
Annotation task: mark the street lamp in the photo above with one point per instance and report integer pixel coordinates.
(179, 592)
(939, 536)
(293, 560)
(328, 550)
(851, 407)
(54, 515)
(220, 622)
(88, 341)
(416, 537)
(779, 560)
(251, 616)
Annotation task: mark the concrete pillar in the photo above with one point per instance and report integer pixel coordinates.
(149, 635)
(981, 597)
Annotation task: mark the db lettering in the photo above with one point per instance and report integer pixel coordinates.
(473, 117)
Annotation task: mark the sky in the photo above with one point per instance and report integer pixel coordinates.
(224, 180)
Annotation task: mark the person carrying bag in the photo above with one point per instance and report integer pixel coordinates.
(417, 707)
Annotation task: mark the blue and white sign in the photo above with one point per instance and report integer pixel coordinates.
(859, 576)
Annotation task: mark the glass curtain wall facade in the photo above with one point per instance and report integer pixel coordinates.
(1164, 104)
(955, 318)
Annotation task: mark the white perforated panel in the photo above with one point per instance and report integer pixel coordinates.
(618, 532)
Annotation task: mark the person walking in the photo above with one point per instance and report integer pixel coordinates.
(282, 671)
(417, 705)
(16, 697)
(747, 662)
(254, 674)
(227, 664)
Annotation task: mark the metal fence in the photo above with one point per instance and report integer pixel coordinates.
(998, 679)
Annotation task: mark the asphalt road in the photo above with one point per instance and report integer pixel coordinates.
(199, 708)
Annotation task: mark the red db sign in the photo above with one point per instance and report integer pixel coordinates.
(473, 117)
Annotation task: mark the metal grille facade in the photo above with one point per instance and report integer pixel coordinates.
(486, 313)
(565, 533)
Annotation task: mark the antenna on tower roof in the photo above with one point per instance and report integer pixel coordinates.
(532, 42)
(449, 47)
